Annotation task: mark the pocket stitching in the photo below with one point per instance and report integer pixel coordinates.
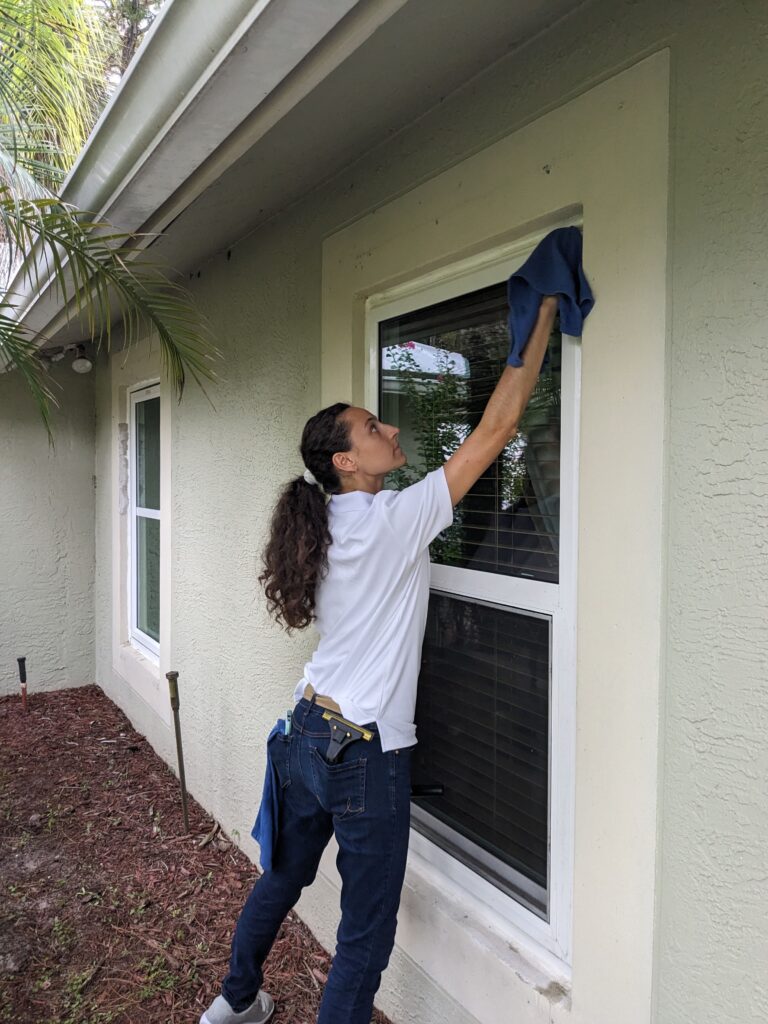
(332, 769)
(338, 769)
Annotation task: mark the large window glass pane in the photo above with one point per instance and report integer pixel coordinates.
(482, 718)
(438, 367)
(148, 580)
(148, 453)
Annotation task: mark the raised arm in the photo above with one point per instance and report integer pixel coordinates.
(504, 410)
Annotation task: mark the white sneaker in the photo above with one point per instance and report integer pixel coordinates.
(259, 1012)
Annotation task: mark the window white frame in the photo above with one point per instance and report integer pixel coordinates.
(144, 643)
(557, 601)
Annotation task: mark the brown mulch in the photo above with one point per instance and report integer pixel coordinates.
(109, 912)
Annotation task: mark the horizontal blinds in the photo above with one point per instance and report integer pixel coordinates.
(509, 522)
(475, 309)
(482, 720)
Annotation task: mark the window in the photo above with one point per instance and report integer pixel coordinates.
(498, 629)
(439, 367)
(144, 547)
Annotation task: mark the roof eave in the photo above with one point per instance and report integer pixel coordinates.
(246, 65)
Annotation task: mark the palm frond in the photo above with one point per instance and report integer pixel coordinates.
(19, 349)
(53, 60)
(21, 184)
(53, 56)
(93, 269)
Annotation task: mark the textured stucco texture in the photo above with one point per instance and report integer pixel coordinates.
(237, 668)
(46, 534)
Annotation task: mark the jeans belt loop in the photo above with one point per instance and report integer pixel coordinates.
(323, 702)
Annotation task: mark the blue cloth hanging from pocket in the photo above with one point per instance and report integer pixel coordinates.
(264, 830)
(553, 268)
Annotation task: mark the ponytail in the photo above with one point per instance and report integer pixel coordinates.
(295, 557)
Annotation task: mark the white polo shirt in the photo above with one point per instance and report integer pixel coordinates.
(371, 607)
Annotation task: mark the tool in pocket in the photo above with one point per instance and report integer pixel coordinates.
(342, 734)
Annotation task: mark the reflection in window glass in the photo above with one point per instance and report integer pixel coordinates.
(482, 716)
(148, 580)
(148, 453)
(438, 368)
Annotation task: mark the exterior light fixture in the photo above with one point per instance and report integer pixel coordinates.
(81, 364)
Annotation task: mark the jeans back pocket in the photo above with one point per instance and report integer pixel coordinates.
(340, 788)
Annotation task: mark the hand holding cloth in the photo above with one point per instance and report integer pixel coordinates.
(553, 268)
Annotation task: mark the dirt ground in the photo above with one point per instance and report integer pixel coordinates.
(109, 912)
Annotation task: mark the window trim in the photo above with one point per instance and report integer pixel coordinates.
(137, 638)
(558, 600)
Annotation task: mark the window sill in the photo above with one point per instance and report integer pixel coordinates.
(457, 938)
(143, 676)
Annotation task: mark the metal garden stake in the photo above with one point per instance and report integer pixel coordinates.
(23, 680)
(173, 683)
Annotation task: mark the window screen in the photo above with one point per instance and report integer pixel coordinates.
(438, 368)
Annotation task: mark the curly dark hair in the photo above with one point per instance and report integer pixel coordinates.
(295, 557)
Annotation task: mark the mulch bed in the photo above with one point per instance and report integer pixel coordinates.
(109, 912)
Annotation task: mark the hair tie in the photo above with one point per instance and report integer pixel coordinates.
(310, 477)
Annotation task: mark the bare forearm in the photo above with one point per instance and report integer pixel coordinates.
(507, 404)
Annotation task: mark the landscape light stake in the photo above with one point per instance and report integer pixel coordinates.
(23, 679)
(173, 683)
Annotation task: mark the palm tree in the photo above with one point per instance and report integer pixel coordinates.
(128, 20)
(53, 60)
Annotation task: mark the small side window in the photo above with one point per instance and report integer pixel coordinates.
(144, 564)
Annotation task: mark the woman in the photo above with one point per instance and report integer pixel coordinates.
(354, 558)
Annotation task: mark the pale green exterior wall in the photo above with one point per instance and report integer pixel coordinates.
(237, 668)
(46, 535)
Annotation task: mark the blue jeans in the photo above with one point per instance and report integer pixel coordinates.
(365, 799)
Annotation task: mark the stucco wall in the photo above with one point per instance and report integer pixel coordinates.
(46, 534)
(237, 668)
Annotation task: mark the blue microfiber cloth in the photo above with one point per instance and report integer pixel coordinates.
(264, 830)
(553, 268)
